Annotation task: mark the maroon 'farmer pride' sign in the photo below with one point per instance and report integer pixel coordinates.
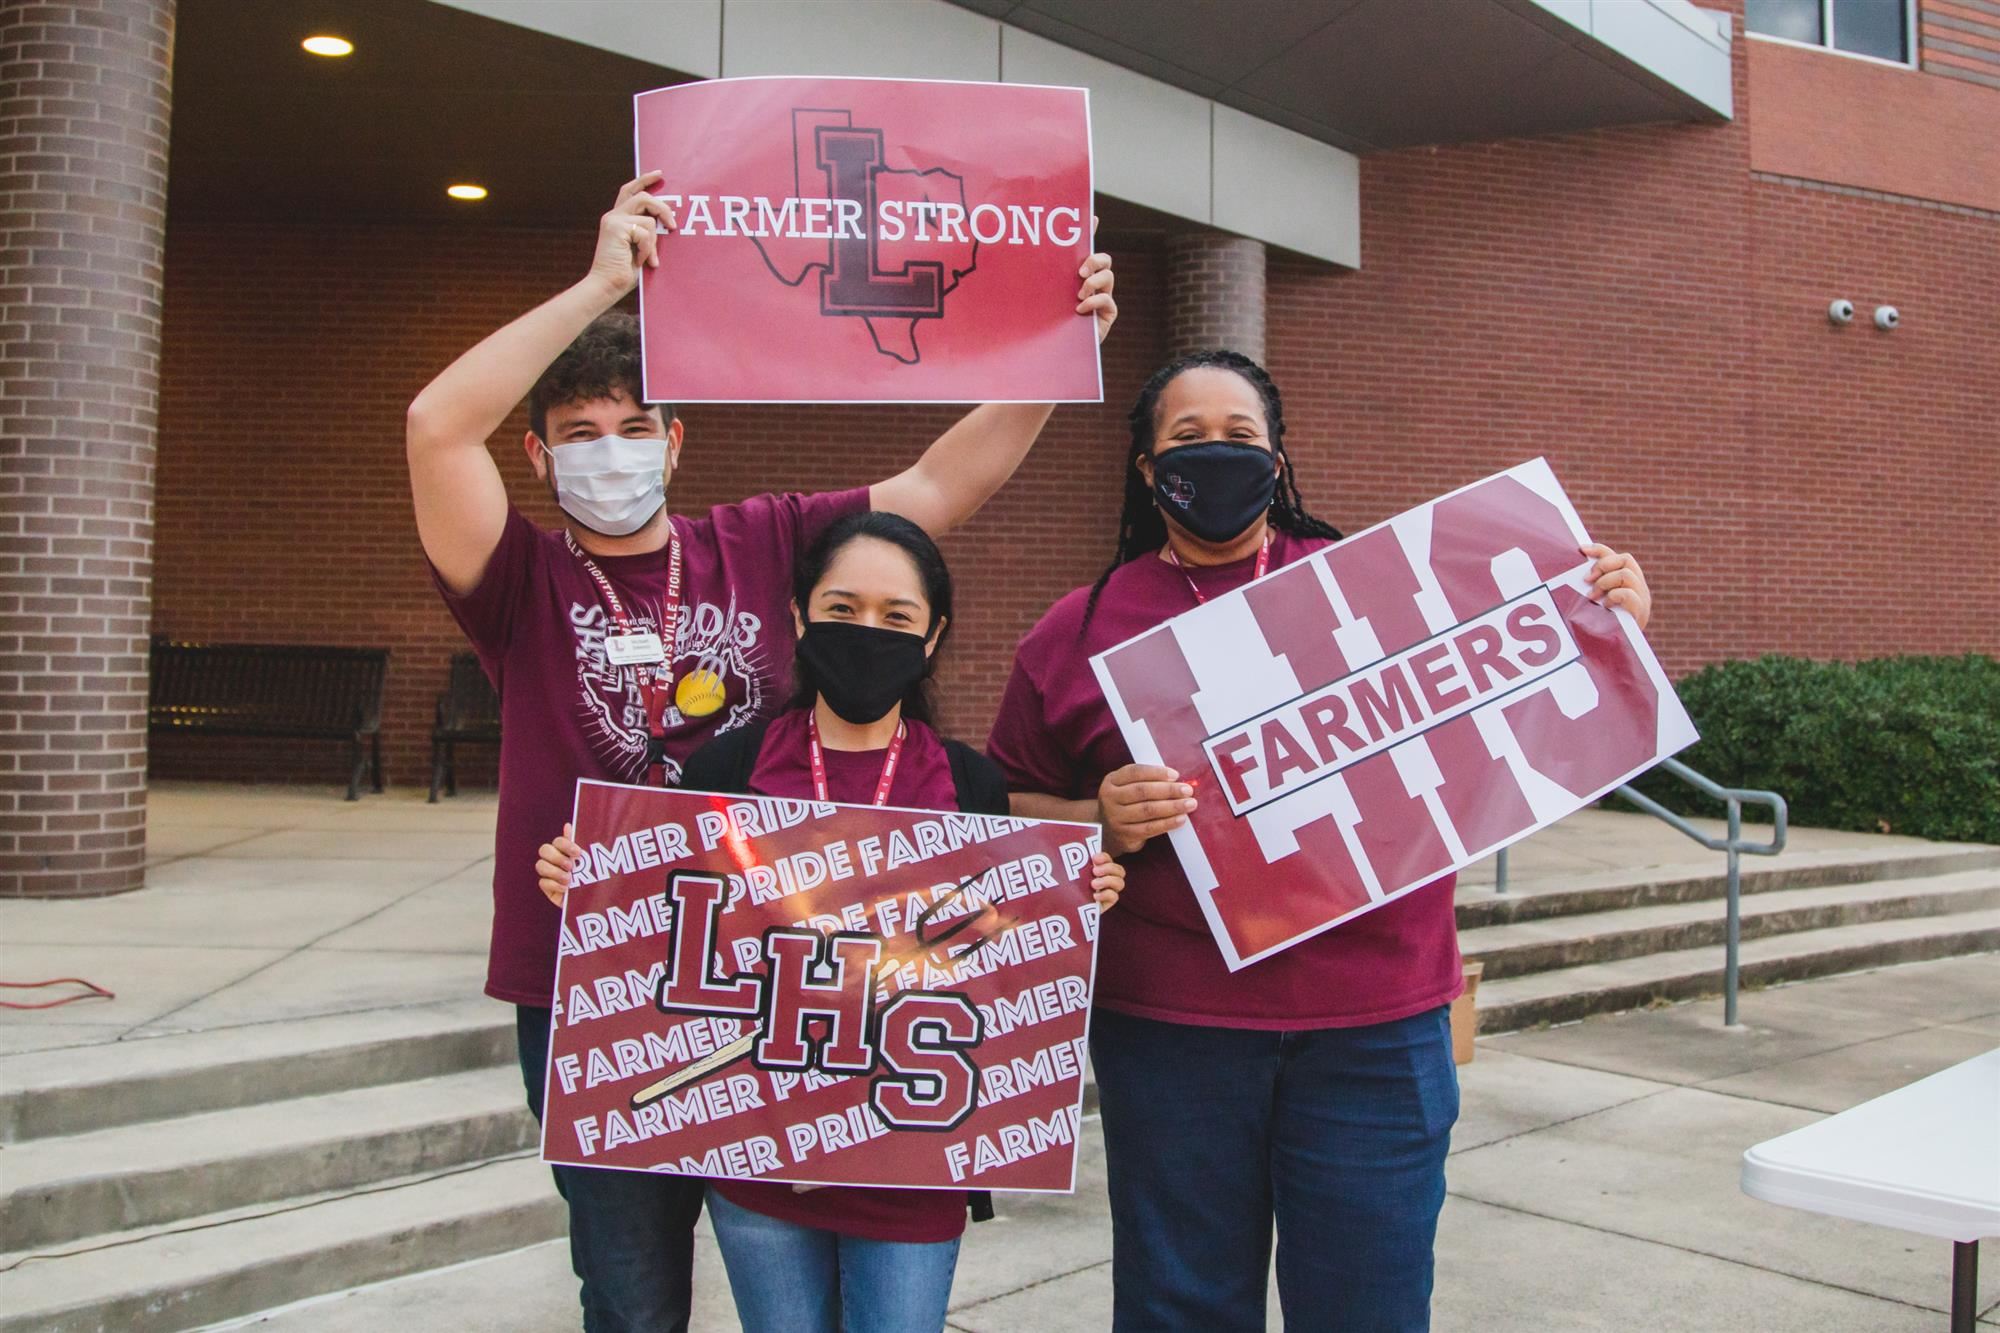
(823, 994)
(1390, 709)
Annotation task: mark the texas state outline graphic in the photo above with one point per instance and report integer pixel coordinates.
(793, 260)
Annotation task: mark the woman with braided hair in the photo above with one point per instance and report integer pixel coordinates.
(1313, 1093)
(1142, 528)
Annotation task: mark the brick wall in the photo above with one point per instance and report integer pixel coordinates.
(84, 102)
(1637, 304)
(284, 512)
(1582, 298)
(1882, 487)
(1961, 39)
(1828, 117)
(1216, 287)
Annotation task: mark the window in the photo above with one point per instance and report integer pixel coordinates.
(1879, 29)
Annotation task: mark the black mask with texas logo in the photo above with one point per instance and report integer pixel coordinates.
(1215, 489)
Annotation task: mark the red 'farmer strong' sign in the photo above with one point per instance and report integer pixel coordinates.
(868, 240)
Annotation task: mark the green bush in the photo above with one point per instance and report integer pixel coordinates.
(1894, 745)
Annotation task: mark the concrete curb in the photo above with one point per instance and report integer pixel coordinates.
(167, 1171)
(1570, 993)
(124, 1083)
(225, 1268)
(1548, 944)
(1619, 891)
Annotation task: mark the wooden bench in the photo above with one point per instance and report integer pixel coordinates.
(290, 691)
(468, 711)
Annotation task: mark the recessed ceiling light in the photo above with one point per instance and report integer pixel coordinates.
(466, 192)
(326, 45)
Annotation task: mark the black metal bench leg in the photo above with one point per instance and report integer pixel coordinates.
(1964, 1285)
(360, 767)
(451, 768)
(375, 759)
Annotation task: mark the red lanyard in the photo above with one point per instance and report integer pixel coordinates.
(1263, 565)
(819, 760)
(657, 679)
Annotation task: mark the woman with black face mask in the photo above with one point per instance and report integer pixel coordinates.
(871, 605)
(1312, 1094)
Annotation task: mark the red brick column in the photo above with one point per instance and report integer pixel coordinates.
(85, 94)
(1215, 293)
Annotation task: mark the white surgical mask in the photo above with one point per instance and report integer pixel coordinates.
(612, 484)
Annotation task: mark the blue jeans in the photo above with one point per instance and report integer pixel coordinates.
(1211, 1134)
(631, 1233)
(793, 1279)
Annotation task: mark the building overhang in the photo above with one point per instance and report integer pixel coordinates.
(1244, 116)
(1368, 75)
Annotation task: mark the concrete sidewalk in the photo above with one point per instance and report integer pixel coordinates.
(263, 904)
(1593, 1186)
(270, 903)
(1593, 1179)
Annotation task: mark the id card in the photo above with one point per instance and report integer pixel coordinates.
(636, 648)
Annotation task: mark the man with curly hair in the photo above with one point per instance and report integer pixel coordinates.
(628, 638)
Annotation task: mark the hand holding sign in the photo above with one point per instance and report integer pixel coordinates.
(554, 863)
(1620, 583)
(1139, 802)
(1107, 881)
(1094, 297)
(628, 236)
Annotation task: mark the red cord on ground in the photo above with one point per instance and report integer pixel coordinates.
(93, 991)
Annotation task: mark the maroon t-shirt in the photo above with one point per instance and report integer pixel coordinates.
(1156, 957)
(923, 782)
(538, 622)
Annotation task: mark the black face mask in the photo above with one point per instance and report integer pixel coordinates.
(862, 672)
(1215, 490)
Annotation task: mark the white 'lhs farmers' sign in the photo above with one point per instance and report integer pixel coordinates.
(1391, 709)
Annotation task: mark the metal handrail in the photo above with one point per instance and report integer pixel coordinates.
(1734, 798)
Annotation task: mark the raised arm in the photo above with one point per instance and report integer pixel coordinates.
(968, 463)
(460, 499)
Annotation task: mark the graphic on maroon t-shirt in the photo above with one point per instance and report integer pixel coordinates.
(721, 641)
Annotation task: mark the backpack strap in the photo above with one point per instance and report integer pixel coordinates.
(982, 788)
(726, 763)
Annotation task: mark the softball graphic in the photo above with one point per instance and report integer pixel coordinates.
(699, 693)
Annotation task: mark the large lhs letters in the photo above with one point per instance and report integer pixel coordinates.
(1395, 707)
(822, 994)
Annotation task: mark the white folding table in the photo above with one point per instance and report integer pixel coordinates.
(1925, 1158)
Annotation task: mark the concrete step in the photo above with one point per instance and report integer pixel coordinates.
(123, 1083)
(1567, 993)
(162, 1171)
(1642, 886)
(1539, 945)
(228, 1265)
(522, 1291)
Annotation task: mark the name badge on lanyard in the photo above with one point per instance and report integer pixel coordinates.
(628, 646)
(634, 648)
